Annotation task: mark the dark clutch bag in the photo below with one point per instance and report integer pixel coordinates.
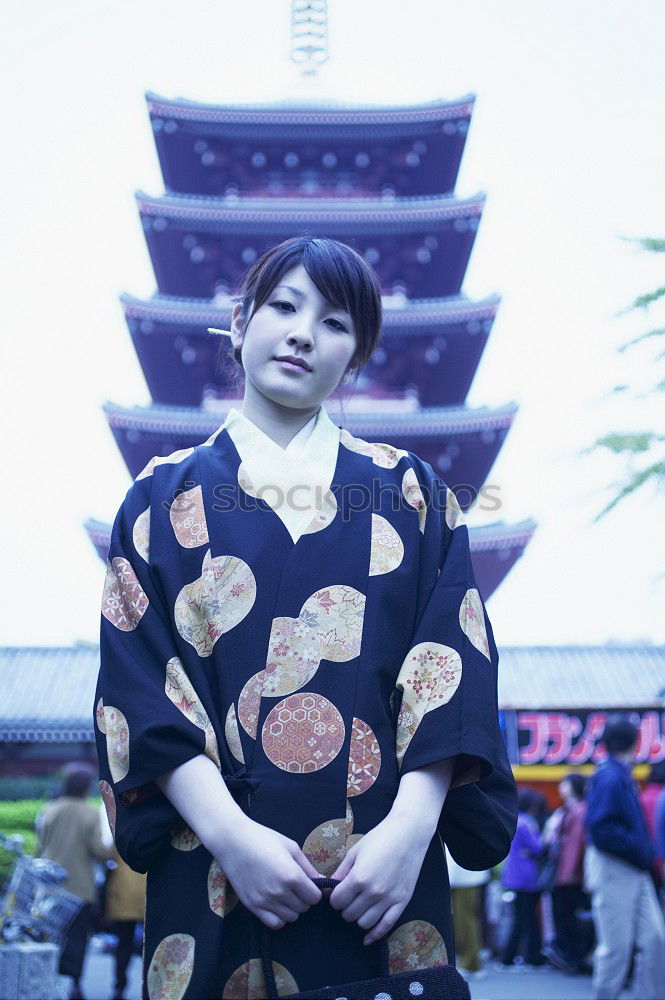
(442, 982)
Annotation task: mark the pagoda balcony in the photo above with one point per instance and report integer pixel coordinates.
(429, 349)
(202, 247)
(495, 548)
(309, 150)
(461, 444)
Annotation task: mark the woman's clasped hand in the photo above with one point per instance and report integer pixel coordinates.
(378, 876)
(272, 876)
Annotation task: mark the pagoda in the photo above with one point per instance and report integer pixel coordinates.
(239, 178)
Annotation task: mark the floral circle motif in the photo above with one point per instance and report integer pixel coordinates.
(249, 702)
(108, 799)
(416, 945)
(180, 690)
(387, 550)
(364, 759)
(141, 534)
(171, 968)
(221, 894)
(414, 496)
(123, 600)
(117, 742)
(188, 519)
(472, 621)
(303, 733)
(248, 982)
(184, 839)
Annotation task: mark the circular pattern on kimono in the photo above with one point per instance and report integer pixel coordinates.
(123, 601)
(384, 455)
(472, 621)
(327, 844)
(141, 534)
(303, 733)
(172, 459)
(188, 519)
(335, 615)
(184, 839)
(248, 982)
(454, 515)
(99, 716)
(413, 495)
(221, 894)
(108, 798)
(431, 672)
(416, 945)
(171, 968)
(214, 603)
(232, 734)
(249, 703)
(180, 690)
(387, 550)
(407, 723)
(294, 655)
(117, 742)
(364, 759)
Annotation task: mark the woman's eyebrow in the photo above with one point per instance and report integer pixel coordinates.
(301, 295)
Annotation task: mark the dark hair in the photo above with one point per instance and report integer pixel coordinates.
(577, 782)
(657, 773)
(76, 780)
(619, 734)
(339, 272)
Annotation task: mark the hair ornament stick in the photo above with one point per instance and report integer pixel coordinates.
(212, 329)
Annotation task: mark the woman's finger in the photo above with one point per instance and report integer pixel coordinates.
(387, 922)
(268, 918)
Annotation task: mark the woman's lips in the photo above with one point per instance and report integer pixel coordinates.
(289, 366)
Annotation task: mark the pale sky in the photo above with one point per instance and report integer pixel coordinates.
(567, 140)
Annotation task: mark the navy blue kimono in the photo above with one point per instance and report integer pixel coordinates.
(314, 674)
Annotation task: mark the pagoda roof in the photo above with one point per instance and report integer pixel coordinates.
(431, 421)
(407, 315)
(293, 111)
(390, 214)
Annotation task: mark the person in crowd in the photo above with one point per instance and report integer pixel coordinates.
(618, 860)
(124, 907)
(69, 833)
(521, 874)
(565, 835)
(649, 799)
(466, 891)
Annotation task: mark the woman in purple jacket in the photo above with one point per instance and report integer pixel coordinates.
(520, 873)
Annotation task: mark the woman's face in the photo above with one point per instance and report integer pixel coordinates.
(296, 320)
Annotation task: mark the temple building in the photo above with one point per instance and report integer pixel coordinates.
(239, 179)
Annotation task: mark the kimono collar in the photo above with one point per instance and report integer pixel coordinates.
(308, 462)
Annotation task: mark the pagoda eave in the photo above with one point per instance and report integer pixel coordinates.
(434, 359)
(367, 214)
(293, 112)
(461, 444)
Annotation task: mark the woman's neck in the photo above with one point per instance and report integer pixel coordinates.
(280, 423)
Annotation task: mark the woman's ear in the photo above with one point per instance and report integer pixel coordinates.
(235, 331)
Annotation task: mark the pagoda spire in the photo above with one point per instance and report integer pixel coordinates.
(309, 34)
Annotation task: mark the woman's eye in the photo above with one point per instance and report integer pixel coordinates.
(340, 326)
(282, 303)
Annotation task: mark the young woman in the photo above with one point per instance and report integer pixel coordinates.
(296, 666)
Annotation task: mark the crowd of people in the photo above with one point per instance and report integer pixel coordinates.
(582, 889)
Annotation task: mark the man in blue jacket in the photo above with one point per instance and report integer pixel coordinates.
(617, 863)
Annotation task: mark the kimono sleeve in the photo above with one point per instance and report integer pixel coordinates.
(448, 680)
(141, 727)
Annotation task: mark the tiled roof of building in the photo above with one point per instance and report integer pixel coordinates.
(612, 676)
(47, 692)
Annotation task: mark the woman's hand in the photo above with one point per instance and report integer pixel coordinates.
(378, 875)
(269, 872)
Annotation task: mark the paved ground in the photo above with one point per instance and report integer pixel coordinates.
(543, 984)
